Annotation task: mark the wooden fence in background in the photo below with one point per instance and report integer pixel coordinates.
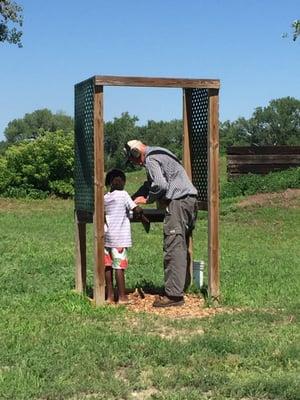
(261, 159)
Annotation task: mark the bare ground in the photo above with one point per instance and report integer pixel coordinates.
(194, 307)
(290, 198)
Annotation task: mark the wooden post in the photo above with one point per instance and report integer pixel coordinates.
(213, 196)
(80, 255)
(187, 165)
(98, 219)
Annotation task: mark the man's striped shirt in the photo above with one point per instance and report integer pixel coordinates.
(167, 176)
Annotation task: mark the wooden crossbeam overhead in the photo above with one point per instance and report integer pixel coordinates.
(106, 80)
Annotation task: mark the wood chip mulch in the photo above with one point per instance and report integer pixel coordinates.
(194, 306)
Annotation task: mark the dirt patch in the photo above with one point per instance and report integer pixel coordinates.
(144, 394)
(194, 307)
(83, 396)
(290, 198)
(144, 378)
(121, 374)
(169, 333)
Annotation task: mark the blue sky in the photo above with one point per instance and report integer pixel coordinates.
(237, 41)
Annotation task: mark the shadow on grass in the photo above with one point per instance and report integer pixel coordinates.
(143, 287)
(89, 291)
(204, 292)
(148, 287)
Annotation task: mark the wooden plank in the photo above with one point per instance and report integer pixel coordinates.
(187, 110)
(264, 159)
(258, 168)
(80, 255)
(239, 150)
(135, 81)
(213, 196)
(99, 268)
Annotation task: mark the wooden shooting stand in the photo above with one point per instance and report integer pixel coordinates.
(200, 159)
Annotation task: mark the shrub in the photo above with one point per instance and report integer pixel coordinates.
(22, 191)
(62, 188)
(5, 176)
(251, 184)
(44, 165)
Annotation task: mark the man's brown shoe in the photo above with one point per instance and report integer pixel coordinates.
(166, 301)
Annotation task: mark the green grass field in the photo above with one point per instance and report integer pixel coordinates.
(55, 345)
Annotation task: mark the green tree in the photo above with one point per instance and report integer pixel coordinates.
(3, 146)
(10, 15)
(236, 133)
(276, 124)
(124, 128)
(34, 124)
(296, 29)
(116, 134)
(166, 134)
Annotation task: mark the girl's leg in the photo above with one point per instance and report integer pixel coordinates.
(120, 279)
(120, 263)
(109, 284)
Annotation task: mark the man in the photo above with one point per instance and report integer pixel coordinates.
(169, 185)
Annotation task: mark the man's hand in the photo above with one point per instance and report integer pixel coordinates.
(140, 200)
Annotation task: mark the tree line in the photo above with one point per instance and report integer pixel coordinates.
(276, 124)
(37, 155)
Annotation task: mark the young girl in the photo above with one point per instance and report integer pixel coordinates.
(117, 205)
